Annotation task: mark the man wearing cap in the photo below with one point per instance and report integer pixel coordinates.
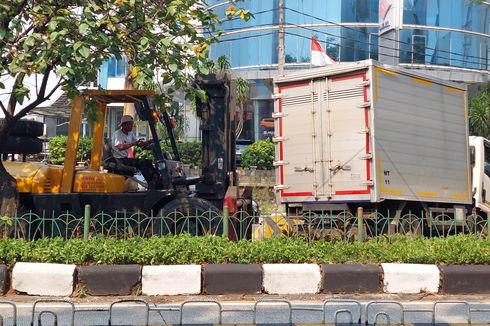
(122, 140)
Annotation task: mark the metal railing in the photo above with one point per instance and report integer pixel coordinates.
(333, 226)
(332, 311)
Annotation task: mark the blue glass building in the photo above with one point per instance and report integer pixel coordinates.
(446, 38)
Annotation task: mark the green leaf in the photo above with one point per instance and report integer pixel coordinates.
(144, 41)
(204, 70)
(83, 28)
(166, 41)
(84, 52)
(173, 67)
(64, 70)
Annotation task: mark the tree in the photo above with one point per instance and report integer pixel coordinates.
(479, 114)
(68, 40)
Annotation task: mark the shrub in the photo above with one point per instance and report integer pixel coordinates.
(259, 154)
(57, 149)
(186, 249)
(190, 152)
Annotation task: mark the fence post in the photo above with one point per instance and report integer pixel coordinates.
(225, 220)
(86, 219)
(360, 224)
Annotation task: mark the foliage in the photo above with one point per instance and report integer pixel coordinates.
(222, 64)
(479, 114)
(51, 45)
(57, 149)
(259, 154)
(190, 152)
(185, 249)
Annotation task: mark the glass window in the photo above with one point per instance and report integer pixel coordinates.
(418, 49)
(487, 158)
(458, 49)
(457, 14)
(117, 68)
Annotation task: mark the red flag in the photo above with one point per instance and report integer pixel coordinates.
(318, 56)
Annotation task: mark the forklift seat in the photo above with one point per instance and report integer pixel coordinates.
(112, 165)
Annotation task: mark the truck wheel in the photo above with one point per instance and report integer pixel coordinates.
(195, 216)
(27, 128)
(21, 145)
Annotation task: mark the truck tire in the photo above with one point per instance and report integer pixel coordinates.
(21, 145)
(195, 216)
(27, 128)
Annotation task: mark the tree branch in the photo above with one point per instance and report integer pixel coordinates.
(38, 101)
(4, 110)
(13, 101)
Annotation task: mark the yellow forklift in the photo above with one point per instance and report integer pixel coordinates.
(103, 184)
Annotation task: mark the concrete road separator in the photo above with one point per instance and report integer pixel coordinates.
(43, 279)
(232, 279)
(351, 278)
(465, 279)
(291, 278)
(410, 278)
(171, 280)
(110, 279)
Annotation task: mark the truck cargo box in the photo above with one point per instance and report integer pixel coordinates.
(366, 132)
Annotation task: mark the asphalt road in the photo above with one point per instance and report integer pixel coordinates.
(243, 313)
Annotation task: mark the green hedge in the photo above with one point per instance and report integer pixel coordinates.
(259, 154)
(184, 249)
(57, 149)
(190, 152)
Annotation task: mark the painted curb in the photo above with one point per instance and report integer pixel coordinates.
(43, 279)
(465, 279)
(171, 279)
(110, 279)
(4, 279)
(351, 278)
(232, 279)
(410, 278)
(291, 278)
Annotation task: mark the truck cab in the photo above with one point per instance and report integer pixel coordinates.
(480, 159)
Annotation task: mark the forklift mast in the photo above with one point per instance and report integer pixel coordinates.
(217, 114)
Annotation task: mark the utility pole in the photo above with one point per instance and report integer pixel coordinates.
(280, 53)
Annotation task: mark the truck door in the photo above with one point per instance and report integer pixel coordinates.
(347, 153)
(296, 141)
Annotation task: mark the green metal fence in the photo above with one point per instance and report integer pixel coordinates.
(338, 226)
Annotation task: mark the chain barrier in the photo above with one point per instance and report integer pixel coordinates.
(375, 312)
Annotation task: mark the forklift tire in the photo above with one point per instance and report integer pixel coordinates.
(21, 145)
(27, 128)
(195, 216)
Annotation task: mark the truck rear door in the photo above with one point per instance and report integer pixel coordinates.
(322, 142)
(348, 154)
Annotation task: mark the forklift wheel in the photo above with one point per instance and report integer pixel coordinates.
(22, 145)
(195, 216)
(27, 128)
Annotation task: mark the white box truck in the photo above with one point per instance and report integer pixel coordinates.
(383, 138)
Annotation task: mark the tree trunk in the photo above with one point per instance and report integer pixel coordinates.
(9, 195)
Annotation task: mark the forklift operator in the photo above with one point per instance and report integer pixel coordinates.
(122, 140)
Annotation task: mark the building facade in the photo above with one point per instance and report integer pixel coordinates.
(449, 39)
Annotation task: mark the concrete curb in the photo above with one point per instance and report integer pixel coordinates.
(291, 278)
(59, 280)
(465, 279)
(43, 279)
(410, 278)
(171, 280)
(232, 279)
(110, 279)
(351, 278)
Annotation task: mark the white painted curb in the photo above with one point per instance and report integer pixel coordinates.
(43, 279)
(291, 278)
(171, 279)
(410, 278)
